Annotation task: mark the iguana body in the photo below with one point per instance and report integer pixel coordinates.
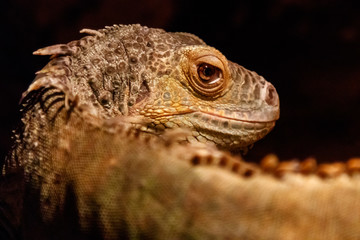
(92, 158)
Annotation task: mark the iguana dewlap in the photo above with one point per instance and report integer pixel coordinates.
(170, 79)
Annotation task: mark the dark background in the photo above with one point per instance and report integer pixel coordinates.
(310, 51)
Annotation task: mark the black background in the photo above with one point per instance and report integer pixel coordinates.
(309, 50)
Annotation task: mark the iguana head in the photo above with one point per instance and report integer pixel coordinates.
(171, 80)
(218, 100)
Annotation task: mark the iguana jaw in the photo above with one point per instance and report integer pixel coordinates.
(228, 132)
(254, 116)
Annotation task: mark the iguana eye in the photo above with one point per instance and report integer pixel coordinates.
(206, 71)
(209, 74)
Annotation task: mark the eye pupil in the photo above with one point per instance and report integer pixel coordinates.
(208, 73)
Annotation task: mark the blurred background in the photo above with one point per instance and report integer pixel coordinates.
(309, 50)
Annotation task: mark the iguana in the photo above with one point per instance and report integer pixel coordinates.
(119, 140)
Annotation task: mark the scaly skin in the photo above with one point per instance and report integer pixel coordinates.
(92, 159)
(139, 71)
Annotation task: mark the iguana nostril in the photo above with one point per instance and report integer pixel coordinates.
(271, 97)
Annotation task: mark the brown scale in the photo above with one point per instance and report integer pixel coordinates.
(136, 51)
(308, 166)
(285, 167)
(330, 170)
(225, 161)
(270, 164)
(353, 166)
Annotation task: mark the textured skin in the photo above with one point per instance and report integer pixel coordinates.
(92, 160)
(139, 71)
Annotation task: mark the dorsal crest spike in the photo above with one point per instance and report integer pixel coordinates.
(58, 49)
(92, 32)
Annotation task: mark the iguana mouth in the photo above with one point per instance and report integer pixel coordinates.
(228, 129)
(241, 117)
(230, 123)
(229, 132)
